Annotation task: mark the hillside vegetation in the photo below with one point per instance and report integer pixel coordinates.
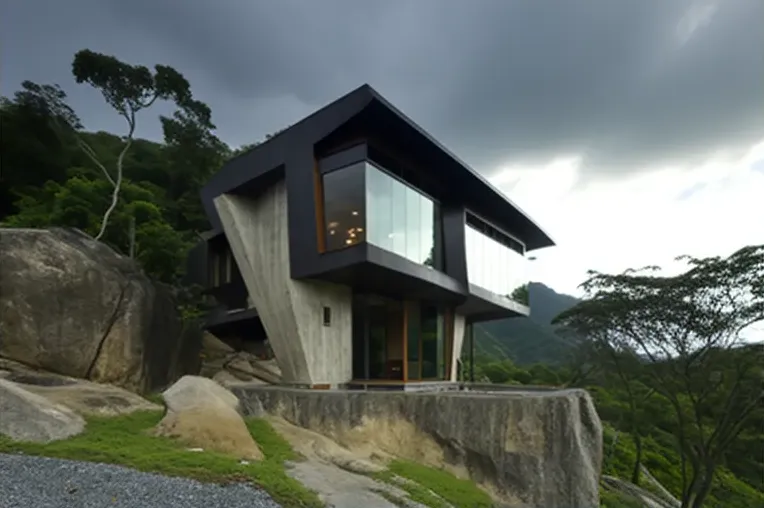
(677, 391)
(526, 341)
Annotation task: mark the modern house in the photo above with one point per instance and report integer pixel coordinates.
(361, 248)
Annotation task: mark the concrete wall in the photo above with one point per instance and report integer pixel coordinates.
(456, 344)
(291, 311)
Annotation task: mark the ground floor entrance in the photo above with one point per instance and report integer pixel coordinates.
(401, 341)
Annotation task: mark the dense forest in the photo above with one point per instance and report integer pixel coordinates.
(679, 394)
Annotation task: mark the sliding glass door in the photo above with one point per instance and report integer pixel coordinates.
(399, 342)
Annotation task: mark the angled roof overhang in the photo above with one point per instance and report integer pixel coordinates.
(265, 162)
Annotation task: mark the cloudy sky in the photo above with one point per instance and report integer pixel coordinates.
(632, 131)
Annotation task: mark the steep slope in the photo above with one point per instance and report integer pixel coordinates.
(528, 340)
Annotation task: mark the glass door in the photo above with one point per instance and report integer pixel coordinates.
(378, 338)
(414, 344)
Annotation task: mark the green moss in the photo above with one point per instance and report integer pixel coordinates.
(125, 440)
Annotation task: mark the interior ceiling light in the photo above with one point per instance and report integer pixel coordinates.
(354, 212)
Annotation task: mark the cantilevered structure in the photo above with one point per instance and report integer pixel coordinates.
(361, 248)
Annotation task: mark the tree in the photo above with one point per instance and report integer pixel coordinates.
(129, 89)
(33, 151)
(192, 154)
(686, 330)
(521, 295)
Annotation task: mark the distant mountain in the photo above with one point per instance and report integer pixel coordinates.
(532, 339)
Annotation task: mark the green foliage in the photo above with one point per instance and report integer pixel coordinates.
(680, 337)
(690, 401)
(55, 174)
(618, 500)
(532, 339)
(126, 440)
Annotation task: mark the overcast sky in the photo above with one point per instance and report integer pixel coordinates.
(631, 130)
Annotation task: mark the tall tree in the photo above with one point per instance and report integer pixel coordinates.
(687, 330)
(129, 89)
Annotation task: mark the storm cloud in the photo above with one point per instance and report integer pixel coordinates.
(627, 86)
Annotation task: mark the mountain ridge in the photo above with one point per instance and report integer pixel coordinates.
(532, 339)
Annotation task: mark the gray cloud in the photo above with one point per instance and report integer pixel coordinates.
(499, 82)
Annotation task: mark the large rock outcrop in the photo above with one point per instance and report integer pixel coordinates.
(229, 366)
(26, 416)
(203, 414)
(71, 305)
(531, 449)
(83, 397)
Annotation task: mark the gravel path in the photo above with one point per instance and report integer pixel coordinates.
(40, 482)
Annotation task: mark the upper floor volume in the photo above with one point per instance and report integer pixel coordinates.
(356, 205)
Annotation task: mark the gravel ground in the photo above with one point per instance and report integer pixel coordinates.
(40, 482)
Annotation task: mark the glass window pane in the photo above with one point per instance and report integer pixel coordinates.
(433, 339)
(377, 316)
(493, 265)
(413, 226)
(414, 328)
(438, 237)
(399, 218)
(506, 260)
(427, 232)
(345, 207)
(379, 192)
(441, 345)
(429, 338)
(496, 250)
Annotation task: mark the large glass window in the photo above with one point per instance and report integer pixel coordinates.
(345, 207)
(496, 262)
(401, 219)
(364, 203)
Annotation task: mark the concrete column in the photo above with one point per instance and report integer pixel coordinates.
(456, 343)
(307, 351)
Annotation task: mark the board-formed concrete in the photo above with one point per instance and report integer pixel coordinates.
(291, 311)
(456, 344)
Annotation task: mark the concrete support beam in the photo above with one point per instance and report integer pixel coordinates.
(292, 312)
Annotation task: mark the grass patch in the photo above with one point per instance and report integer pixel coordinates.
(124, 440)
(393, 499)
(156, 398)
(415, 491)
(453, 490)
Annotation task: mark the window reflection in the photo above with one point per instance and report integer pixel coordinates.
(363, 203)
(400, 219)
(495, 262)
(345, 207)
